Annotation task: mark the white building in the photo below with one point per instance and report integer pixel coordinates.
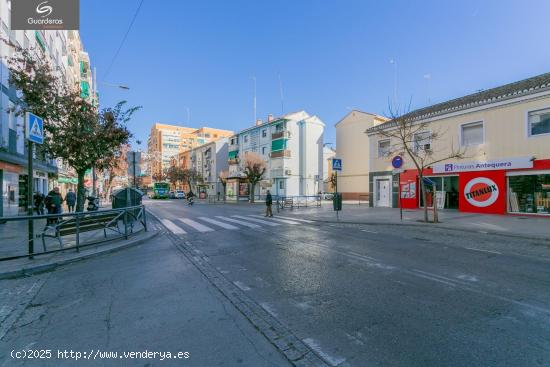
(209, 160)
(292, 147)
(64, 50)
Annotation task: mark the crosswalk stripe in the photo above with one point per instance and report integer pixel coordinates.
(246, 224)
(277, 219)
(298, 219)
(257, 220)
(172, 227)
(196, 225)
(218, 223)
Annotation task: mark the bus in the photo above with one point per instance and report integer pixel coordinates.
(160, 190)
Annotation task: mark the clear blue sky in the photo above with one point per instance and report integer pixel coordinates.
(331, 55)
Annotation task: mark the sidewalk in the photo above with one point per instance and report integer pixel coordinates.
(510, 225)
(47, 262)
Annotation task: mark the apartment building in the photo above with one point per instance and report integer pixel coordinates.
(209, 160)
(292, 147)
(505, 135)
(352, 147)
(167, 141)
(65, 52)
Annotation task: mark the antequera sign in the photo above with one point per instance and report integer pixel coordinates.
(508, 163)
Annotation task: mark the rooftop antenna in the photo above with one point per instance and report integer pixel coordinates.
(255, 116)
(281, 93)
(394, 62)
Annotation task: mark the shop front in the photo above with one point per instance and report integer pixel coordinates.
(515, 186)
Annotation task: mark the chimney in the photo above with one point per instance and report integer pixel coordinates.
(270, 117)
(259, 122)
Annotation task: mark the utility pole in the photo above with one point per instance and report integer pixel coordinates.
(134, 167)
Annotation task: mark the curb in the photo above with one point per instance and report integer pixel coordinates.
(26, 271)
(433, 225)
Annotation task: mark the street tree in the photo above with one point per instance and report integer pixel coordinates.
(75, 130)
(176, 175)
(254, 169)
(192, 177)
(223, 175)
(416, 140)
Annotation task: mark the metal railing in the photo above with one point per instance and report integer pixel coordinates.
(300, 201)
(61, 232)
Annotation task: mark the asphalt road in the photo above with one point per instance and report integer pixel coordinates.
(356, 295)
(384, 295)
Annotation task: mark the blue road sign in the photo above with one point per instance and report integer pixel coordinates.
(34, 128)
(397, 161)
(336, 164)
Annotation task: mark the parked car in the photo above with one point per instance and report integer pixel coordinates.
(172, 195)
(180, 194)
(327, 196)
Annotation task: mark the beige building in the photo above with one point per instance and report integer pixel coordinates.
(352, 146)
(167, 141)
(504, 133)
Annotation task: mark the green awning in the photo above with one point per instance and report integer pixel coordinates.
(40, 40)
(233, 154)
(84, 89)
(279, 144)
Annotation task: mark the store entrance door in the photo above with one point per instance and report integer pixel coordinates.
(383, 192)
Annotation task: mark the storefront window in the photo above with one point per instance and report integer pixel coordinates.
(529, 194)
(447, 187)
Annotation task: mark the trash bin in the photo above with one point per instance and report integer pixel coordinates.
(127, 197)
(337, 201)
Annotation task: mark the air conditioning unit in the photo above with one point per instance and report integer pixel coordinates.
(288, 172)
(427, 146)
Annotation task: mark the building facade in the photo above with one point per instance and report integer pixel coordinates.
(504, 133)
(65, 52)
(167, 141)
(292, 148)
(328, 155)
(209, 160)
(352, 147)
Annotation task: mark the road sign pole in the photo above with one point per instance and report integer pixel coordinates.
(400, 201)
(30, 199)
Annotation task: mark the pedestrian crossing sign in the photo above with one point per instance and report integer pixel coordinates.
(34, 128)
(336, 164)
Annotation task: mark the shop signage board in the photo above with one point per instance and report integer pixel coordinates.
(495, 164)
(481, 192)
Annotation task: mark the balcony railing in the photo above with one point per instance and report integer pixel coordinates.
(280, 134)
(233, 161)
(281, 154)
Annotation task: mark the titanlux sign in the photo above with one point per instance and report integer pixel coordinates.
(45, 14)
(507, 163)
(481, 192)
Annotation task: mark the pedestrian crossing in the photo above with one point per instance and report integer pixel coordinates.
(205, 224)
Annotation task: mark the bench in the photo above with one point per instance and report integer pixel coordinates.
(84, 223)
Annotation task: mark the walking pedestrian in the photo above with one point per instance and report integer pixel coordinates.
(53, 204)
(70, 198)
(268, 203)
(38, 200)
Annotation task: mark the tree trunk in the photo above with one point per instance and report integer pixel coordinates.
(423, 193)
(224, 191)
(252, 187)
(80, 195)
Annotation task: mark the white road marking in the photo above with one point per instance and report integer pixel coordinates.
(331, 360)
(489, 251)
(277, 219)
(218, 223)
(249, 225)
(242, 286)
(172, 226)
(269, 309)
(257, 220)
(467, 277)
(299, 220)
(196, 225)
(366, 230)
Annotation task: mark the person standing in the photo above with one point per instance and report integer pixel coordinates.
(70, 198)
(38, 199)
(268, 203)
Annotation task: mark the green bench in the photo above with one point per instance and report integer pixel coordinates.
(85, 223)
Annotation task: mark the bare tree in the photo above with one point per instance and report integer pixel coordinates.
(223, 175)
(416, 140)
(254, 169)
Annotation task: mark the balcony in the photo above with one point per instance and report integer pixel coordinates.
(234, 160)
(280, 154)
(280, 134)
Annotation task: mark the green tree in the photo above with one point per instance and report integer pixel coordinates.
(254, 169)
(223, 175)
(192, 177)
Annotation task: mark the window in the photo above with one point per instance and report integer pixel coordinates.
(539, 122)
(246, 138)
(281, 185)
(264, 133)
(529, 194)
(422, 141)
(263, 150)
(384, 148)
(471, 134)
